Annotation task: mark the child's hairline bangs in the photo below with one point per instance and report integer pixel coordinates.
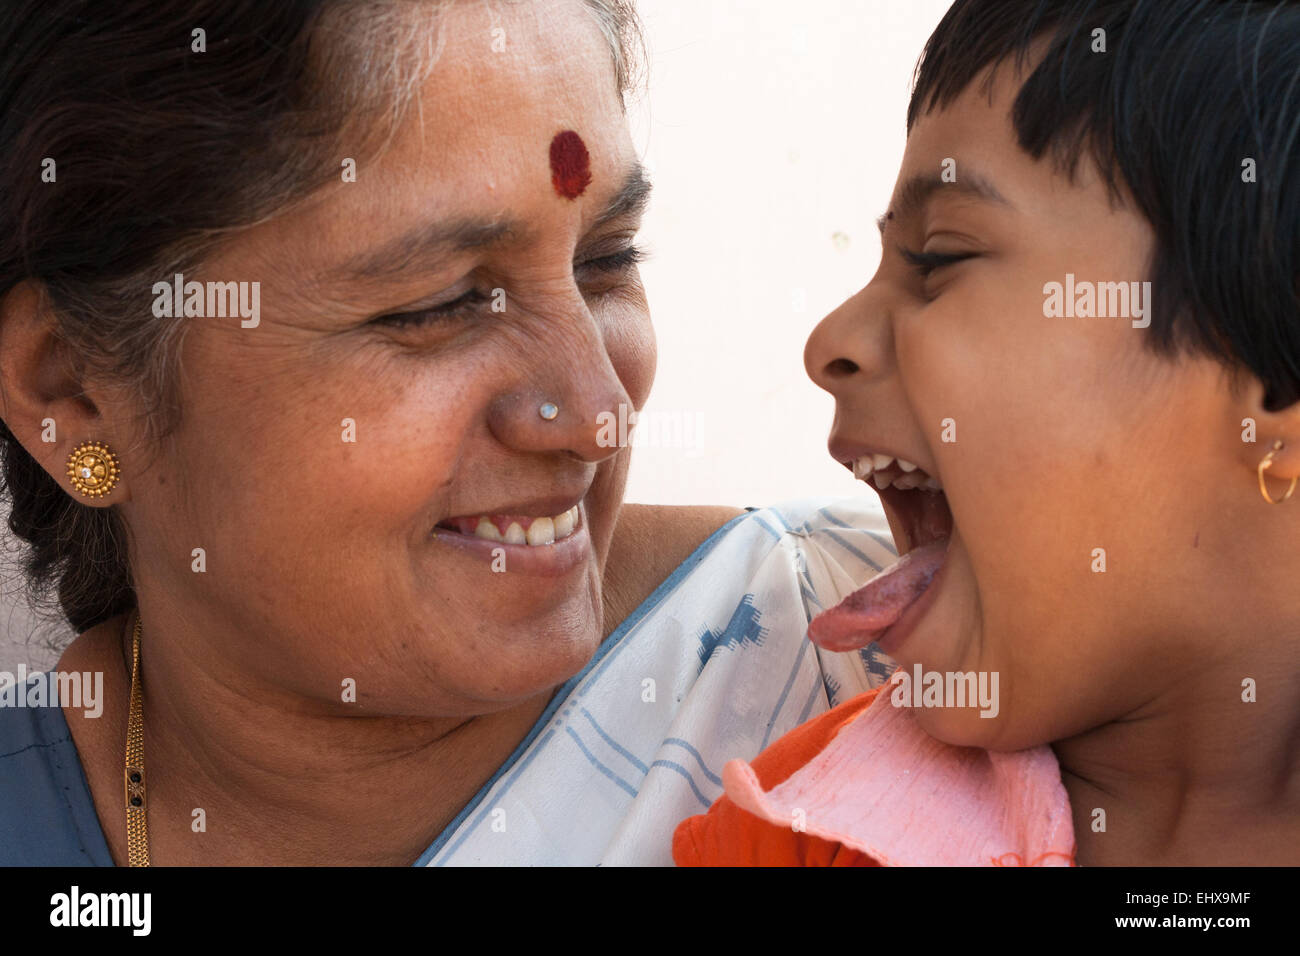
(1036, 52)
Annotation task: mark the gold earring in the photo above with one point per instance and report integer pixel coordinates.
(1266, 464)
(93, 469)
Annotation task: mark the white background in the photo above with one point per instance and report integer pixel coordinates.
(769, 128)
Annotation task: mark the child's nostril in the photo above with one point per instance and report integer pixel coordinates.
(841, 367)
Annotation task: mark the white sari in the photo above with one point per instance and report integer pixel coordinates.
(714, 665)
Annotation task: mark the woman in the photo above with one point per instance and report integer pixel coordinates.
(314, 316)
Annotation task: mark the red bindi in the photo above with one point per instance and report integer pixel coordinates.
(570, 165)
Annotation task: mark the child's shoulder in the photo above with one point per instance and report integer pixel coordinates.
(864, 785)
(729, 836)
(778, 762)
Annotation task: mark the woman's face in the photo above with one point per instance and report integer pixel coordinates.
(322, 559)
(1071, 441)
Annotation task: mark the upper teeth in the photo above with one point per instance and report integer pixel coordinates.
(540, 530)
(878, 468)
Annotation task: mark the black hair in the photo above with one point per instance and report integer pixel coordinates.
(1190, 100)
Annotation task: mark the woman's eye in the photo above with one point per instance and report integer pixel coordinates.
(614, 263)
(610, 265)
(926, 262)
(448, 310)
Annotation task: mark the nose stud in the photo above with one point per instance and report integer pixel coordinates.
(548, 411)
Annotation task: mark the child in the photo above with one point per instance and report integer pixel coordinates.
(1075, 383)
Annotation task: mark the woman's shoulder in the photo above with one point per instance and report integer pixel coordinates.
(825, 547)
(47, 817)
(667, 534)
(649, 543)
(850, 536)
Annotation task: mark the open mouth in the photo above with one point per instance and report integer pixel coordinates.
(922, 524)
(526, 530)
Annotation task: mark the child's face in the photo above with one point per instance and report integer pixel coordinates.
(1070, 436)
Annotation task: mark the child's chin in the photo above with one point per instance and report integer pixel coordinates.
(964, 727)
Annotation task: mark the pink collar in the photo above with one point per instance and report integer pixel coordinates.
(886, 788)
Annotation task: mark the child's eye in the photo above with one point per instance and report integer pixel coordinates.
(926, 262)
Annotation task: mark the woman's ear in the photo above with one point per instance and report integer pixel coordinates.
(43, 394)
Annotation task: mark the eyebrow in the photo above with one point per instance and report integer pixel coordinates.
(920, 189)
(420, 245)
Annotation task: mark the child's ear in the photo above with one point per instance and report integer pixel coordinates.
(1271, 441)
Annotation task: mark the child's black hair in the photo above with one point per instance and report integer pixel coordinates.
(1189, 101)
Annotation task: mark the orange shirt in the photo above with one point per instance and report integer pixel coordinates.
(864, 785)
(728, 836)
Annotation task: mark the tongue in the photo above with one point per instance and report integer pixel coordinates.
(864, 615)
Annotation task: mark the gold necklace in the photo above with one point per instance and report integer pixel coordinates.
(137, 819)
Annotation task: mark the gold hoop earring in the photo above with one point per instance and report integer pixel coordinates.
(1266, 464)
(93, 469)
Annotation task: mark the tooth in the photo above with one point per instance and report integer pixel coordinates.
(906, 465)
(486, 529)
(882, 481)
(541, 531)
(515, 534)
(907, 482)
(861, 467)
(879, 461)
(933, 484)
(564, 523)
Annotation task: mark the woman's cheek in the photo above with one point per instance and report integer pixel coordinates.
(630, 343)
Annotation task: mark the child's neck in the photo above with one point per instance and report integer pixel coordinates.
(1196, 778)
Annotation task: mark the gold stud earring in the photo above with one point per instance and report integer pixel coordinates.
(93, 469)
(1264, 466)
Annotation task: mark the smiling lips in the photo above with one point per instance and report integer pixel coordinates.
(919, 502)
(516, 529)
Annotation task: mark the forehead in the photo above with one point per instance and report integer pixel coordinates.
(975, 137)
(475, 141)
(974, 126)
(509, 77)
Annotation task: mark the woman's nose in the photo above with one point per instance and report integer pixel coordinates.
(850, 346)
(573, 402)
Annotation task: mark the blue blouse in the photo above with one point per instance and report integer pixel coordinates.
(47, 816)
